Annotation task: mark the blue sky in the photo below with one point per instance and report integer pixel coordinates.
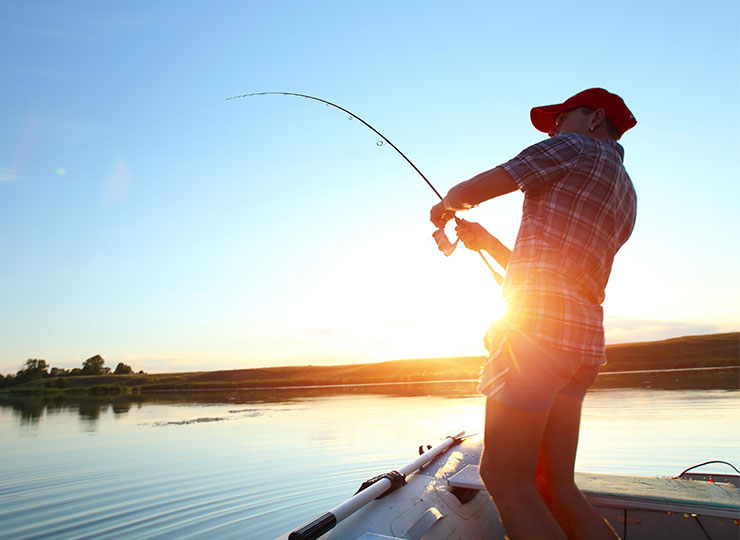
(147, 219)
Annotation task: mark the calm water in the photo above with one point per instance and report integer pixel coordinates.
(254, 466)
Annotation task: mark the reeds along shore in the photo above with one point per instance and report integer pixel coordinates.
(707, 351)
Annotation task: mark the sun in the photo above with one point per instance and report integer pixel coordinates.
(391, 304)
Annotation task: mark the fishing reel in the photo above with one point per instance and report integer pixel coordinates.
(442, 240)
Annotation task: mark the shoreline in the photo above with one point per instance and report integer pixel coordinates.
(705, 378)
(450, 381)
(680, 360)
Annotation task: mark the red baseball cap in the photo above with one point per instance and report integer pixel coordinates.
(543, 118)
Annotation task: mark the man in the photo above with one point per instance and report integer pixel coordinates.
(579, 209)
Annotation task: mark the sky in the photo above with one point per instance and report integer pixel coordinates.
(148, 219)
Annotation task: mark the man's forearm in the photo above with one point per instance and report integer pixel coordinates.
(498, 251)
(481, 187)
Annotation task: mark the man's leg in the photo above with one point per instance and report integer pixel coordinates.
(508, 465)
(555, 477)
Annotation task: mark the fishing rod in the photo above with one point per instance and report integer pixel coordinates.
(439, 236)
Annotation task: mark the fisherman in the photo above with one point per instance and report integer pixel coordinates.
(579, 209)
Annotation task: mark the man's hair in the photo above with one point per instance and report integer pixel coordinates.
(611, 129)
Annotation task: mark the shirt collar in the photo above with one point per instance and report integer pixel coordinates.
(618, 147)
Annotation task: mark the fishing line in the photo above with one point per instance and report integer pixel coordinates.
(352, 116)
(385, 139)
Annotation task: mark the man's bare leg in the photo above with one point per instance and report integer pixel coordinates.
(555, 476)
(508, 465)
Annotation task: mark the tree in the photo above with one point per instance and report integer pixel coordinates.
(58, 372)
(93, 365)
(123, 369)
(35, 368)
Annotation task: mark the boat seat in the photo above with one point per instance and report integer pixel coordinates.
(639, 492)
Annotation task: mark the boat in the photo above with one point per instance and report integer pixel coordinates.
(439, 496)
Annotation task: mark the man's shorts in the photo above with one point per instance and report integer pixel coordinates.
(526, 374)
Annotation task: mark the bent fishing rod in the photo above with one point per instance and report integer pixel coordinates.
(439, 236)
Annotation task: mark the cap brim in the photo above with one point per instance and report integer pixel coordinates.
(543, 118)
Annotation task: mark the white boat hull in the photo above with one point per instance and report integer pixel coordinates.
(446, 501)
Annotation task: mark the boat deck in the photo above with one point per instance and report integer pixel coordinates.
(664, 494)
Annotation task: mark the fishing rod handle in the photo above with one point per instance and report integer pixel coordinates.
(315, 528)
(498, 277)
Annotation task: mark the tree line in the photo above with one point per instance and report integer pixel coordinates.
(36, 368)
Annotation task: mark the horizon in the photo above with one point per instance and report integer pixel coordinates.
(418, 359)
(152, 221)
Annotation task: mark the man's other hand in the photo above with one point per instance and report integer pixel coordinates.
(473, 235)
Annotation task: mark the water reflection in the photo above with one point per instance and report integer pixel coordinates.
(243, 464)
(121, 408)
(29, 410)
(29, 413)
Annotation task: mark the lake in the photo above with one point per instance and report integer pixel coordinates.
(257, 464)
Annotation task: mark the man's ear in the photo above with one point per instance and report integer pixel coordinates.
(599, 115)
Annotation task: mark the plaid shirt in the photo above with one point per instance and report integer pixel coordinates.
(579, 209)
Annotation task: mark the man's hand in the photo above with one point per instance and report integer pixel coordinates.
(473, 235)
(440, 215)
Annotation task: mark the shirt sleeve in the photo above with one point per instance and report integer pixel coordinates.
(546, 161)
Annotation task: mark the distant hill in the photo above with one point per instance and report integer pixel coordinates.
(711, 350)
(715, 350)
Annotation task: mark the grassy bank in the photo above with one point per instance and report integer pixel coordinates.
(716, 350)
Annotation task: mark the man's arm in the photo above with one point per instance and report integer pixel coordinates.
(471, 193)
